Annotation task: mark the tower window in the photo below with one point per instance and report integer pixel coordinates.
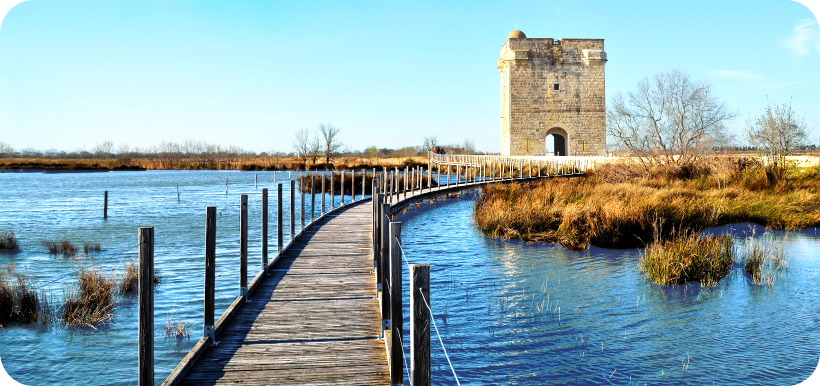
(556, 87)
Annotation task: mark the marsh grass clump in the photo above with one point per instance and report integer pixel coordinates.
(762, 259)
(91, 301)
(60, 246)
(688, 257)
(616, 205)
(91, 246)
(8, 241)
(19, 300)
(178, 329)
(129, 281)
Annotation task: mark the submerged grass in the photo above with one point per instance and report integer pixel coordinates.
(60, 246)
(19, 300)
(763, 259)
(618, 205)
(91, 301)
(91, 246)
(688, 257)
(129, 281)
(178, 329)
(8, 241)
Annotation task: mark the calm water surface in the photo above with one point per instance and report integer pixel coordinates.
(496, 303)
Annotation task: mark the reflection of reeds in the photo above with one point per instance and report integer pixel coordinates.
(762, 259)
(688, 257)
(8, 241)
(130, 276)
(19, 301)
(91, 301)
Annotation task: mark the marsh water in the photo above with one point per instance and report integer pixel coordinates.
(507, 312)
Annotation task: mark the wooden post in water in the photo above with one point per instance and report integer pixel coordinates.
(255, 181)
(396, 312)
(210, 273)
(265, 230)
(292, 209)
(243, 247)
(419, 325)
(323, 194)
(105, 206)
(226, 185)
(145, 288)
(279, 231)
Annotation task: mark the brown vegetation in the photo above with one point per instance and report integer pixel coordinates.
(617, 205)
(130, 278)
(178, 329)
(90, 246)
(762, 260)
(688, 257)
(61, 246)
(8, 241)
(91, 302)
(246, 164)
(19, 301)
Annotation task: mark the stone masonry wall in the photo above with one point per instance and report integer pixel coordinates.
(530, 107)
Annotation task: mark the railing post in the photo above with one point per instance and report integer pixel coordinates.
(323, 194)
(243, 246)
(396, 312)
(312, 197)
(448, 175)
(279, 231)
(342, 191)
(377, 198)
(302, 201)
(419, 325)
(210, 273)
(292, 209)
(332, 190)
(364, 182)
(406, 180)
(265, 230)
(384, 264)
(146, 306)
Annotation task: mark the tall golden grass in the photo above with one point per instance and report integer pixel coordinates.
(688, 257)
(129, 281)
(763, 259)
(617, 205)
(91, 301)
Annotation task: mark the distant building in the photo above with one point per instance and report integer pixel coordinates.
(552, 87)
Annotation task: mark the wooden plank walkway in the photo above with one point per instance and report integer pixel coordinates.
(314, 321)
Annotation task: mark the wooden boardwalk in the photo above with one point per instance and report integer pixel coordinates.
(313, 321)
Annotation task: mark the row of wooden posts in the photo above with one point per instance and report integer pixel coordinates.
(387, 266)
(210, 329)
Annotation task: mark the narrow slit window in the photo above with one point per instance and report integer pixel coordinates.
(556, 87)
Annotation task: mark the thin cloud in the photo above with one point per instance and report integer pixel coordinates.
(806, 36)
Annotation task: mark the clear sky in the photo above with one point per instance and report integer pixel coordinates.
(387, 73)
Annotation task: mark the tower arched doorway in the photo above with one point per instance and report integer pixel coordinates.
(556, 142)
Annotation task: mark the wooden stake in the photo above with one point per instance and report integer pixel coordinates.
(243, 247)
(265, 230)
(146, 306)
(210, 273)
(419, 325)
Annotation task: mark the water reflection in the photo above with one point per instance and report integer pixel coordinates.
(517, 313)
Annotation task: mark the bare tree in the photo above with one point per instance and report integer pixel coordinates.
(103, 149)
(301, 144)
(315, 148)
(330, 135)
(430, 143)
(669, 120)
(776, 132)
(6, 151)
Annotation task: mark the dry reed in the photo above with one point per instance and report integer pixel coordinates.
(8, 241)
(688, 257)
(90, 246)
(91, 301)
(178, 329)
(763, 259)
(19, 301)
(617, 205)
(62, 246)
(129, 281)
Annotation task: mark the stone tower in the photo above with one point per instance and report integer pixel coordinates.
(552, 87)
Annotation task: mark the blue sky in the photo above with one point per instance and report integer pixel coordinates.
(387, 73)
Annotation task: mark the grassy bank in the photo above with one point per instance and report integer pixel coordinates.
(247, 164)
(620, 206)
